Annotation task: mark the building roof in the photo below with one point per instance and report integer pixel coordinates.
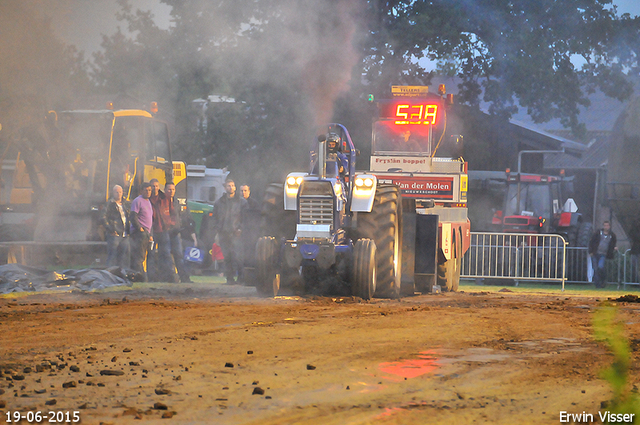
(600, 115)
(543, 140)
(599, 118)
(595, 156)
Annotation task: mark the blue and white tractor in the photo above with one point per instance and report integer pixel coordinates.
(348, 232)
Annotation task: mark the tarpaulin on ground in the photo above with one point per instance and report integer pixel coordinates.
(19, 278)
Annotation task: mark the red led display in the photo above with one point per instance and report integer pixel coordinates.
(411, 113)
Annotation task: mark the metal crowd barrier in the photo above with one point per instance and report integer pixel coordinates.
(516, 256)
(630, 270)
(579, 267)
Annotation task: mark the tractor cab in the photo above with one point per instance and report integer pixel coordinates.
(542, 204)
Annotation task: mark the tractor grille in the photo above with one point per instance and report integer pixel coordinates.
(316, 211)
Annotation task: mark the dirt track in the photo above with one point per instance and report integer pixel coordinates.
(499, 358)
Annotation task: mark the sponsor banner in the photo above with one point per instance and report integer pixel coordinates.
(419, 187)
(412, 164)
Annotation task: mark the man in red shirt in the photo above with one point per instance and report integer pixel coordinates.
(169, 213)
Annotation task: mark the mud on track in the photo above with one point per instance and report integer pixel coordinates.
(218, 354)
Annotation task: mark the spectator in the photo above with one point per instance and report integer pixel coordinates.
(252, 204)
(601, 247)
(160, 254)
(227, 214)
(251, 221)
(116, 225)
(141, 218)
(169, 214)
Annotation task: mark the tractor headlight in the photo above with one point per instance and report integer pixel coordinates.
(364, 183)
(293, 182)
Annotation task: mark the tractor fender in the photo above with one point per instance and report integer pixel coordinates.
(363, 192)
(569, 219)
(291, 186)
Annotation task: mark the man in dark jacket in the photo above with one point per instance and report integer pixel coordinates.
(227, 215)
(159, 256)
(252, 204)
(169, 212)
(116, 226)
(601, 247)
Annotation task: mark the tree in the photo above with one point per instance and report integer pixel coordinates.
(37, 71)
(509, 52)
(282, 61)
(293, 64)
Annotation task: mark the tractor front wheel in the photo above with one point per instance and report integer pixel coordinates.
(268, 280)
(364, 269)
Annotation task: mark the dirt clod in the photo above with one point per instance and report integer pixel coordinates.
(110, 372)
(629, 298)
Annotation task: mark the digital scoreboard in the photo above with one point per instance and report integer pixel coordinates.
(413, 112)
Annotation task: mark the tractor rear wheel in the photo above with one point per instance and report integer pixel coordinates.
(364, 269)
(383, 225)
(584, 234)
(268, 280)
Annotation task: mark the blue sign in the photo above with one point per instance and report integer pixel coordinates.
(193, 254)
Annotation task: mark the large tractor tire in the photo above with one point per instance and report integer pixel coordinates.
(268, 280)
(383, 225)
(449, 275)
(584, 234)
(577, 259)
(363, 280)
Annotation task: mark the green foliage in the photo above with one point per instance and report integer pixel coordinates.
(510, 50)
(293, 64)
(609, 329)
(37, 71)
